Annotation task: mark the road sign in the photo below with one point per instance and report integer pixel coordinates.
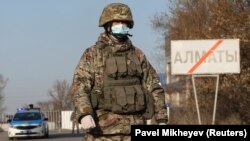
(217, 56)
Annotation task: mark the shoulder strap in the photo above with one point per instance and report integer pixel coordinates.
(100, 45)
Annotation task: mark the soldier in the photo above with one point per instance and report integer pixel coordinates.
(74, 121)
(114, 85)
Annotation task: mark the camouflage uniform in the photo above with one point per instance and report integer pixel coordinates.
(74, 122)
(89, 77)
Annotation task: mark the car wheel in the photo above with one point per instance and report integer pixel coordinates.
(47, 135)
(10, 138)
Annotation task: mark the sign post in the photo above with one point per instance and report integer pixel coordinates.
(205, 58)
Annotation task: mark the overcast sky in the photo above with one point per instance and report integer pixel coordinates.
(41, 41)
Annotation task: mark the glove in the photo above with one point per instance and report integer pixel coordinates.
(87, 122)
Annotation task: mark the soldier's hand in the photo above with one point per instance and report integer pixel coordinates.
(87, 122)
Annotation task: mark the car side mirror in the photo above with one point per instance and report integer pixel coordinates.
(46, 119)
(9, 120)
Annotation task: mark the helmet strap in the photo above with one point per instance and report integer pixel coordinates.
(120, 37)
(107, 28)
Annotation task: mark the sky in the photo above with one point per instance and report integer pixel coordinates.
(41, 41)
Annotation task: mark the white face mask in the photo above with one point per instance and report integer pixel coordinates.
(120, 29)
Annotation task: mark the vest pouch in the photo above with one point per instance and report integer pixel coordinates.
(107, 98)
(121, 101)
(149, 112)
(130, 93)
(140, 96)
(121, 66)
(111, 67)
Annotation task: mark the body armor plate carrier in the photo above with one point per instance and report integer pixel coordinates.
(122, 91)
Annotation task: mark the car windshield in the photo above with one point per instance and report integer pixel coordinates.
(27, 116)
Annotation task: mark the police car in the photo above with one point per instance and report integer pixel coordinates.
(28, 122)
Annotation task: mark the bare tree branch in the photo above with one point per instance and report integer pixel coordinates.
(59, 93)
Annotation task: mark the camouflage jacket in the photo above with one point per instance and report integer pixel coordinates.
(89, 73)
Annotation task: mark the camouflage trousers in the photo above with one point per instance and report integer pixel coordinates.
(89, 137)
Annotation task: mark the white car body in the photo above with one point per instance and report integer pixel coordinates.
(22, 125)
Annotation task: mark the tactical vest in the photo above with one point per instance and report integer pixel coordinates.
(122, 90)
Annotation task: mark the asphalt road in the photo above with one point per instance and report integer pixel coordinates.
(53, 136)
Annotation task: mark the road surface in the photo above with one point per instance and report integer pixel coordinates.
(54, 136)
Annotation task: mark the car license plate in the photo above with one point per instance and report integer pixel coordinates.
(25, 131)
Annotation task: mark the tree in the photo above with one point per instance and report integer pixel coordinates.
(59, 93)
(213, 19)
(3, 83)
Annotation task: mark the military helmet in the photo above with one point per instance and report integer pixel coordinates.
(116, 12)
